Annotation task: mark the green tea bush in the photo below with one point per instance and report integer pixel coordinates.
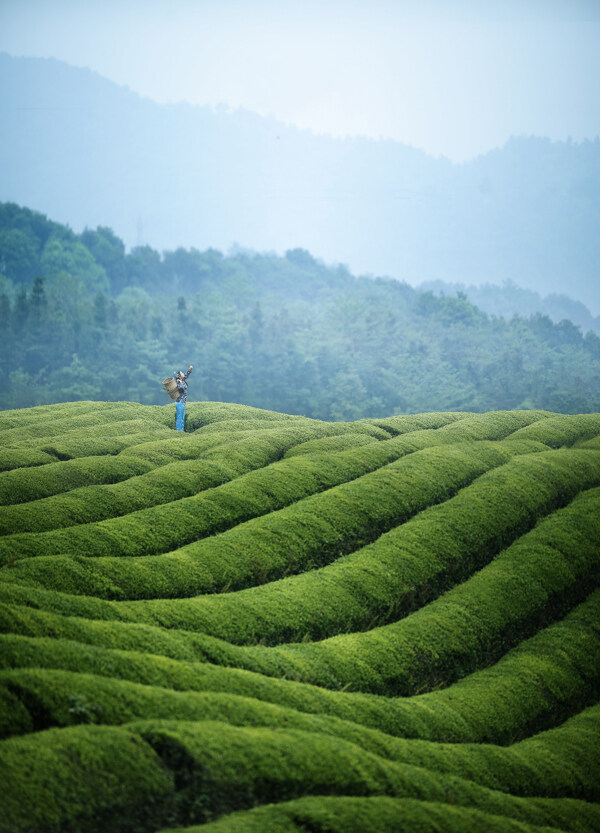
(79, 444)
(199, 414)
(74, 411)
(157, 662)
(562, 430)
(341, 442)
(416, 422)
(94, 421)
(594, 443)
(163, 484)
(94, 778)
(494, 425)
(20, 458)
(54, 478)
(38, 699)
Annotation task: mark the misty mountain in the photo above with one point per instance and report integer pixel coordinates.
(90, 153)
(509, 299)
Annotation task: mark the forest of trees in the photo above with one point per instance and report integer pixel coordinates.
(82, 318)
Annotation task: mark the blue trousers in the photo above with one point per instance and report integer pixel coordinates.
(179, 415)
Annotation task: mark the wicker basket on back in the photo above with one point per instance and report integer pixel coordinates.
(170, 385)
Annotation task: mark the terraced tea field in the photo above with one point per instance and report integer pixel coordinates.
(271, 623)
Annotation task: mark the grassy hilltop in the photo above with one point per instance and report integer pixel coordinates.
(273, 623)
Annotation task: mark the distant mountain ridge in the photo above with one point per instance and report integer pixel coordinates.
(89, 152)
(509, 299)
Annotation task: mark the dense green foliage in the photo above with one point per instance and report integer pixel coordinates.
(84, 319)
(272, 623)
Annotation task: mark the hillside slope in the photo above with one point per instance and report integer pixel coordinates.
(273, 623)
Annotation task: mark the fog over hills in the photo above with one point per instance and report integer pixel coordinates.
(89, 152)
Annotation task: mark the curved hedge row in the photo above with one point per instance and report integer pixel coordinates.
(21, 426)
(384, 581)
(179, 521)
(526, 585)
(538, 683)
(545, 678)
(557, 431)
(559, 553)
(382, 814)
(415, 422)
(137, 534)
(52, 477)
(310, 530)
(530, 582)
(193, 772)
(164, 483)
(468, 626)
(21, 458)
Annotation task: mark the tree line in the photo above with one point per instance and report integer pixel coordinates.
(82, 318)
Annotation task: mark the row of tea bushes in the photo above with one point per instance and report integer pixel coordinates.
(531, 582)
(505, 422)
(384, 580)
(93, 421)
(402, 570)
(191, 772)
(76, 413)
(448, 557)
(528, 584)
(154, 485)
(558, 430)
(351, 814)
(19, 486)
(471, 427)
(311, 529)
(538, 683)
(541, 681)
(22, 458)
(132, 455)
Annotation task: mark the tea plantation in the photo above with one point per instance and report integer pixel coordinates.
(272, 623)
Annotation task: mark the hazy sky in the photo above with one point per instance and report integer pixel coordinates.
(454, 78)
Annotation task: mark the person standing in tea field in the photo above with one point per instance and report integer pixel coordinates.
(181, 382)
